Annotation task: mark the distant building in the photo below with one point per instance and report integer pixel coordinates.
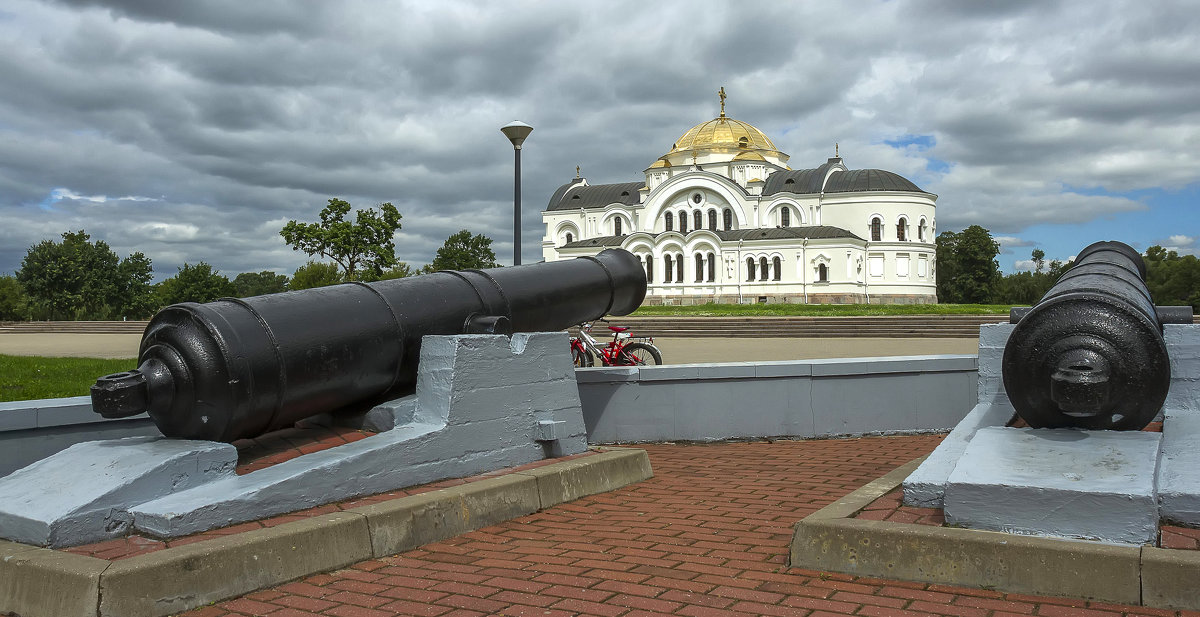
(722, 218)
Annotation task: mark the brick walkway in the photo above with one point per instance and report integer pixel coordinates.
(707, 536)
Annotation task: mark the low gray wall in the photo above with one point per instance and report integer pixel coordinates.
(803, 398)
(32, 430)
(684, 402)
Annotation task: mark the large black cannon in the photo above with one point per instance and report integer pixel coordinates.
(1090, 353)
(239, 368)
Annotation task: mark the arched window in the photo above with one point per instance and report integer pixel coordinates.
(712, 268)
(669, 220)
(712, 220)
(617, 226)
(876, 229)
(749, 268)
(699, 268)
(764, 271)
(778, 269)
(682, 222)
(570, 238)
(728, 219)
(822, 273)
(698, 220)
(785, 217)
(921, 231)
(679, 268)
(901, 230)
(667, 271)
(649, 268)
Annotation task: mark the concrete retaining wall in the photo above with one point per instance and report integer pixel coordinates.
(802, 398)
(689, 402)
(32, 430)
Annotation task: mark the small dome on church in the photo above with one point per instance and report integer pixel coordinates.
(659, 163)
(749, 156)
(722, 132)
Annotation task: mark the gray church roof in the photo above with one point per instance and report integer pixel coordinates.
(812, 232)
(806, 181)
(573, 195)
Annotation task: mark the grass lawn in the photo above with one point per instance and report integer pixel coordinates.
(25, 378)
(831, 310)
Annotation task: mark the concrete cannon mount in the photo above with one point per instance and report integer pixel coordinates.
(1053, 512)
(483, 403)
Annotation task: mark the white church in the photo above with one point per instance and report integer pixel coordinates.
(721, 217)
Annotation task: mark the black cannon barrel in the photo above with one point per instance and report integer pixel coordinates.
(238, 368)
(1090, 353)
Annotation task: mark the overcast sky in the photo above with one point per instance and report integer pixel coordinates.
(192, 131)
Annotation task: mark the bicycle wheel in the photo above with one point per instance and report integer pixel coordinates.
(641, 354)
(582, 357)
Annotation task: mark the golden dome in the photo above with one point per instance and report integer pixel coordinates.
(749, 156)
(660, 163)
(722, 132)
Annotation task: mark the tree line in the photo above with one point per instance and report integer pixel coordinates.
(78, 278)
(968, 273)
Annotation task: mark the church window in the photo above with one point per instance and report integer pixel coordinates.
(698, 220)
(785, 217)
(667, 269)
(764, 272)
(778, 269)
(712, 220)
(921, 231)
(743, 142)
(728, 219)
(679, 268)
(649, 268)
(822, 273)
(570, 238)
(699, 268)
(876, 229)
(617, 226)
(696, 198)
(682, 222)
(749, 268)
(712, 268)
(901, 231)
(669, 219)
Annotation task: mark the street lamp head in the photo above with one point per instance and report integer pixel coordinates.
(516, 132)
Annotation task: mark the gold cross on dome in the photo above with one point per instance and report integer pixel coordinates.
(576, 171)
(722, 95)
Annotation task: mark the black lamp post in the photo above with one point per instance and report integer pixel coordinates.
(516, 132)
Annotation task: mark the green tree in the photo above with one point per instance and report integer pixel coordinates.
(968, 272)
(463, 251)
(367, 244)
(1171, 278)
(249, 284)
(13, 303)
(1039, 259)
(316, 274)
(80, 279)
(198, 283)
(398, 271)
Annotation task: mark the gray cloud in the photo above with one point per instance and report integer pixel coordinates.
(237, 116)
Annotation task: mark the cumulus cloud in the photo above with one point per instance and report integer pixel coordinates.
(218, 120)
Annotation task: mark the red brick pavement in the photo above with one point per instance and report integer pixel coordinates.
(707, 536)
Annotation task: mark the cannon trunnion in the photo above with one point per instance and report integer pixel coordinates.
(238, 368)
(1090, 353)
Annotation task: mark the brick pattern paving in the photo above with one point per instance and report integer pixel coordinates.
(707, 536)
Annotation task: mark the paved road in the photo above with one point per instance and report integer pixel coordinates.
(675, 350)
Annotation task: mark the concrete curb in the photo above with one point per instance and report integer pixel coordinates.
(39, 582)
(832, 541)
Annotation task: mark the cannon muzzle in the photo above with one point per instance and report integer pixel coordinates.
(238, 368)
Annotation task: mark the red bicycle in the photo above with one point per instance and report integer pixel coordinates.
(621, 351)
